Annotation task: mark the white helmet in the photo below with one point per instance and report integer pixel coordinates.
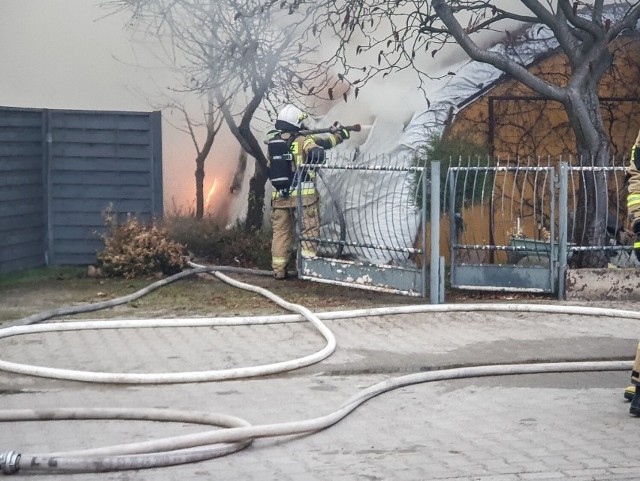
(292, 115)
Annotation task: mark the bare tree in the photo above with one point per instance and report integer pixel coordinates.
(252, 55)
(212, 123)
(402, 33)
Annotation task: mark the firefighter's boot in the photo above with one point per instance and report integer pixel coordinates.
(634, 409)
(629, 392)
(280, 274)
(636, 243)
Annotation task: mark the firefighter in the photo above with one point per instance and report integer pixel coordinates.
(633, 211)
(631, 391)
(300, 149)
(633, 195)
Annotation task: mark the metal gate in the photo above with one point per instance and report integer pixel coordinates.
(516, 260)
(516, 227)
(374, 229)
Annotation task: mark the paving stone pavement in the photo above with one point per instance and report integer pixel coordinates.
(510, 428)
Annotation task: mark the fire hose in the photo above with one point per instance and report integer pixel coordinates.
(239, 433)
(335, 128)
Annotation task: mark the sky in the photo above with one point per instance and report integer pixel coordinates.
(74, 54)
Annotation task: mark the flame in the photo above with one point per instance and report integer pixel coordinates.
(211, 192)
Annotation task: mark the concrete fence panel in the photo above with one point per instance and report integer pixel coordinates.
(61, 169)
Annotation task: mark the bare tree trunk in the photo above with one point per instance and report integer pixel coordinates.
(594, 150)
(591, 211)
(256, 197)
(212, 130)
(199, 186)
(242, 132)
(238, 176)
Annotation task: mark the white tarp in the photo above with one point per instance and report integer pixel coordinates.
(392, 144)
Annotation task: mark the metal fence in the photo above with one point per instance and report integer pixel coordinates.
(374, 228)
(507, 225)
(60, 169)
(517, 224)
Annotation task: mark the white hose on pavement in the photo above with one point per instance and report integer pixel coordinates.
(165, 452)
(210, 444)
(171, 377)
(244, 372)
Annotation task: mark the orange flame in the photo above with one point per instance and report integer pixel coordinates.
(211, 192)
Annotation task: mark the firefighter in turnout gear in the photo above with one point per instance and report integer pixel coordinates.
(632, 391)
(633, 195)
(289, 149)
(633, 211)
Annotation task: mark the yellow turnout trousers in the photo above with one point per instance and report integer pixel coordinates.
(283, 223)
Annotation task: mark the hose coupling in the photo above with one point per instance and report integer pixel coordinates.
(9, 462)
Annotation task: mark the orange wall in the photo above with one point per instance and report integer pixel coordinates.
(541, 128)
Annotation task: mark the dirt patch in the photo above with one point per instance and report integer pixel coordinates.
(202, 295)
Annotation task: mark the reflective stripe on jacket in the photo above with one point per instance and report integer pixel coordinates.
(300, 148)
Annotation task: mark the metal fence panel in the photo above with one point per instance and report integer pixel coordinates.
(506, 232)
(374, 221)
(512, 198)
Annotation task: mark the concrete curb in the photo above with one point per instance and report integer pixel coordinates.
(603, 284)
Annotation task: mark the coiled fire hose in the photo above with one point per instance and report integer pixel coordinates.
(238, 433)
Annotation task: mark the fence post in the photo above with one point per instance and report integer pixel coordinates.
(451, 180)
(562, 228)
(299, 227)
(434, 267)
(47, 182)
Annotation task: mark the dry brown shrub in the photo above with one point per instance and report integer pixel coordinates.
(134, 249)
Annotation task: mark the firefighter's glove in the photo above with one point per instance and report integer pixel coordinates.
(636, 242)
(341, 131)
(315, 156)
(635, 156)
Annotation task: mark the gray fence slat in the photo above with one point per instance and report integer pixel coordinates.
(100, 150)
(20, 193)
(78, 246)
(81, 233)
(22, 235)
(90, 219)
(20, 149)
(102, 136)
(100, 120)
(19, 162)
(25, 250)
(18, 178)
(21, 135)
(29, 253)
(99, 192)
(26, 207)
(101, 164)
(22, 222)
(77, 258)
(98, 177)
(15, 263)
(93, 205)
(20, 118)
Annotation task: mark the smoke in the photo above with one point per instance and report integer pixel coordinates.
(398, 96)
(54, 59)
(69, 54)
